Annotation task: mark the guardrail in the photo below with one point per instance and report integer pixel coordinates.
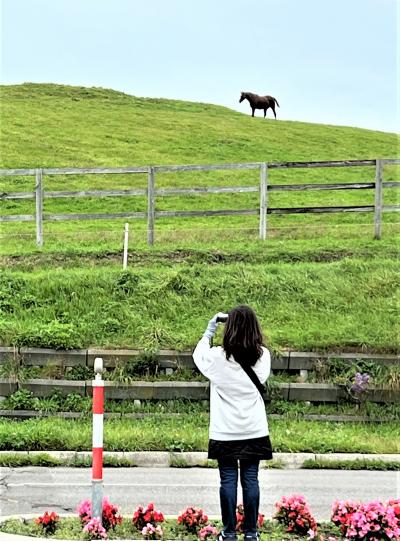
(152, 193)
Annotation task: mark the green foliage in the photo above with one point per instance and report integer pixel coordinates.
(178, 462)
(126, 282)
(11, 368)
(299, 305)
(49, 335)
(357, 464)
(71, 529)
(80, 373)
(144, 364)
(55, 402)
(10, 287)
(77, 402)
(189, 432)
(343, 372)
(20, 400)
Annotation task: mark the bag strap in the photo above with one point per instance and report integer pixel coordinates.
(253, 376)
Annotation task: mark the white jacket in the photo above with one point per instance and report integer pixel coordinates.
(237, 411)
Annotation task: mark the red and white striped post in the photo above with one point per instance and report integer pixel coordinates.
(97, 446)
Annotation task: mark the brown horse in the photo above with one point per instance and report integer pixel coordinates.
(259, 102)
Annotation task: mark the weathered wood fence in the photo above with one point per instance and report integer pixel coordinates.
(151, 192)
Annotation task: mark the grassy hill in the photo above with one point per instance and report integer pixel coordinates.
(53, 125)
(318, 281)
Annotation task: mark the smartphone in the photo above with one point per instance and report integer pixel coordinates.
(222, 319)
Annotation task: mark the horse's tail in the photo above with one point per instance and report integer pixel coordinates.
(276, 101)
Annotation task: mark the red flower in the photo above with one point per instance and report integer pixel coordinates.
(142, 517)
(49, 522)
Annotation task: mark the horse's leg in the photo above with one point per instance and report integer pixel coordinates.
(265, 112)
(252, 111)
(273, 109)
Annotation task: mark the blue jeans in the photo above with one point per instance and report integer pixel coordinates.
(228, 471)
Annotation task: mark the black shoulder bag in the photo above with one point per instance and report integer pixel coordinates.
(253, 376)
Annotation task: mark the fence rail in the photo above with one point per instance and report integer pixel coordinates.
(152, 193)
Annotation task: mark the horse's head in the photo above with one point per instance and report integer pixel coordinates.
(242, 97)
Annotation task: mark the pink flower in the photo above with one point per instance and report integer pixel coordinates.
(152, 532)
(208, 531)
(359, 521)
(110, 513)
(293, 512)
(95, 530)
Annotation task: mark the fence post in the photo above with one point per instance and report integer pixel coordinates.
(263, 200)
(150, 207)
(39, 207)
(378, 199)
(97, 440)
(126, 240)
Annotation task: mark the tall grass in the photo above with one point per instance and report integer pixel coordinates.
(190, 433)
(344, 304)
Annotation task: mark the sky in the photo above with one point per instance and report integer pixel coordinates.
(326, 61)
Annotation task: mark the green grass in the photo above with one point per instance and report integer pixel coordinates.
(13, 460)
(190, 433)
(89, 126)
(358, 464)
(344, 304)
(58, 126)
(318, 282)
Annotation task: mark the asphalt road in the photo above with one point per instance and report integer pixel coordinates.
(34, 490)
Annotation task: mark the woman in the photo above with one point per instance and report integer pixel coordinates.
(238, 421)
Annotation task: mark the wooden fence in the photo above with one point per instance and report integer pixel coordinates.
(151, 192)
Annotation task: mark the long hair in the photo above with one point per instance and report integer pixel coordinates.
(243, 337)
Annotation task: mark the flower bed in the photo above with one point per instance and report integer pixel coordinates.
(293, 520)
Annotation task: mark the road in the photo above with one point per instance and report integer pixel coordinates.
(34, 490)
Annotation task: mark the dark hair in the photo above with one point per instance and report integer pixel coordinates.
(243, 337)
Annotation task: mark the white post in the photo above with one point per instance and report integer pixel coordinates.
(378, 199)
(150, 207)
(39, 208)
(263, 201)
(126, 240)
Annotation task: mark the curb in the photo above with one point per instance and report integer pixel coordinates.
(166, 459)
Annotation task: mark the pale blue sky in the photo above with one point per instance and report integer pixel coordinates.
(328, 61)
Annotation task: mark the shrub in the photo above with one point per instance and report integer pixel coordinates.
(80, 373)
(20, 400)
(54, 335)
(77, 402)
(144, 364)
(293, 512)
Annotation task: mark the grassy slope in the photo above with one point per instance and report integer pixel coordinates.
(306, 306)
(50, 125)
